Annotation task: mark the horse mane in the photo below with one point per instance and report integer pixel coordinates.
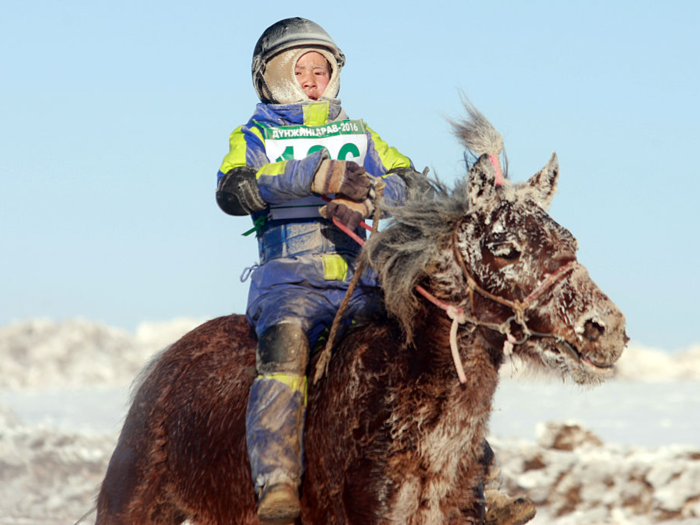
(423, 225)
(478, 135)
(417, 232)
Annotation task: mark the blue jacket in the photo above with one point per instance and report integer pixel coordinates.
(291, 225)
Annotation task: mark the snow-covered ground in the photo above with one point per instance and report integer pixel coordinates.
(627, 452)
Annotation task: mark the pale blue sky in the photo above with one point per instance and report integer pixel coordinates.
(114, 117)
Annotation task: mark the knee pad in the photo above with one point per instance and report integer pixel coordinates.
(283, 349)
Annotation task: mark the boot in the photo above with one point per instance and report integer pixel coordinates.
(502, 509)
(279, 505)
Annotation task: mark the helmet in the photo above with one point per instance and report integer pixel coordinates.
(277, 52)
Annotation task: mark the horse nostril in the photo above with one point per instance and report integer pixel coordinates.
(592, 330)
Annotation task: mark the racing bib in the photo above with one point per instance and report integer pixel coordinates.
(342, 139)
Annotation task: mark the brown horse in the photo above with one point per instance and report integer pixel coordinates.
(392, 435)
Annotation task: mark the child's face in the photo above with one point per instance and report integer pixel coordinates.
(312, 73)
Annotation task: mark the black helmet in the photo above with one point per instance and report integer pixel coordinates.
(293, 33)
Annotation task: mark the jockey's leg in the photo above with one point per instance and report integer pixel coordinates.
(275, 420)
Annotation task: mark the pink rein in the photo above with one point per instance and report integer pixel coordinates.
(456, 314)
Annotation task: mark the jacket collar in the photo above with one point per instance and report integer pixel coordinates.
(308, 113)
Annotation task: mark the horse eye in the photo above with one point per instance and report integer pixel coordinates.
(505, 250)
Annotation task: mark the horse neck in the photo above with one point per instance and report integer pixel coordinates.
(445, 418)
(431, 361)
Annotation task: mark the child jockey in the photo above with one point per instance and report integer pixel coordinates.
(299, 144)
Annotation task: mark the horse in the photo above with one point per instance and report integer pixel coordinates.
(395, 427)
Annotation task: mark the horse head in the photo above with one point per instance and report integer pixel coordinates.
(490, 250)
(518, 258)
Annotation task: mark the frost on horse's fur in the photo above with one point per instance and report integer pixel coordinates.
(391, 434)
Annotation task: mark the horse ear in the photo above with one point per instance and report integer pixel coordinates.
(482, 180)
(545, 182)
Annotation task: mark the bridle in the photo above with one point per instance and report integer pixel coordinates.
(458, 315)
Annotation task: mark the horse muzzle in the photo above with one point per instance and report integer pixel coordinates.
(598, 324)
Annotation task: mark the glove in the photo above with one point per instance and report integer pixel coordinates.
(349, 212)
(340, 176)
